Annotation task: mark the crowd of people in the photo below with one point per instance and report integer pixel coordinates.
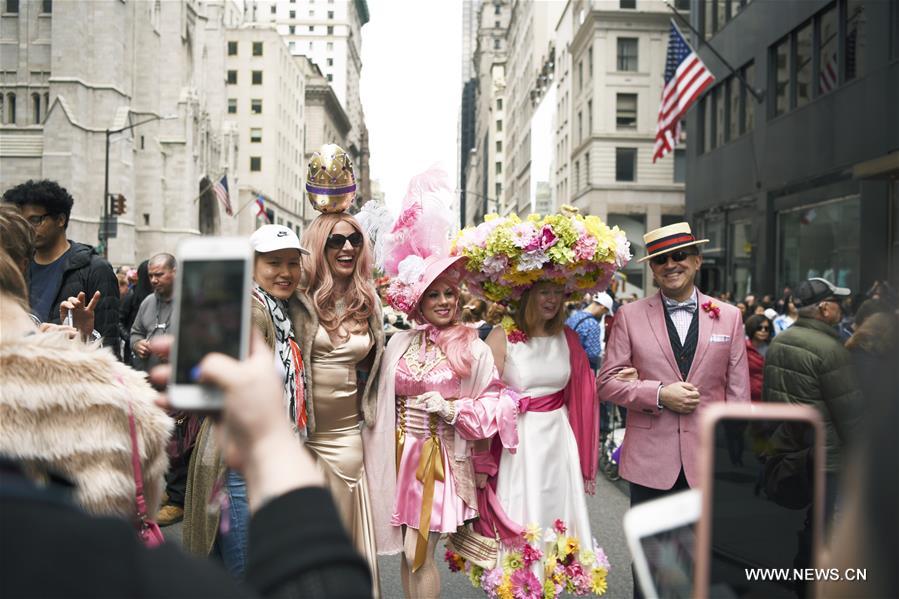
(463, 395)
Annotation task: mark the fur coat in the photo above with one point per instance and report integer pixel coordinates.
(64, 408)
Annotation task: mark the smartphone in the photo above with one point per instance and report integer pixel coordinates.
(211, 313)
(661, 535)
(763, 489)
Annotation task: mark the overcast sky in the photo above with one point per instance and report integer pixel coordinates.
(411, 89)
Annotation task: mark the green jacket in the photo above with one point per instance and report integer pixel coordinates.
(807, 364)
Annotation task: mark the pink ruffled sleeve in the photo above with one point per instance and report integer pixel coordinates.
(493, 412)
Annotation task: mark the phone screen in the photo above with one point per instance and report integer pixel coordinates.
(669, 554)
(210, 320)
(761, 507)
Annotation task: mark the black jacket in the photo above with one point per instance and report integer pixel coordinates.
(52, 549)
(87, 271)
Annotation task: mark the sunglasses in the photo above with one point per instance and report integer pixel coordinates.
(764, 328)
(676, 256)
(337, 241)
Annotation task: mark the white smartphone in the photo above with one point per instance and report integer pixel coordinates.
(211, 313)
(763, 499)
(661, 535)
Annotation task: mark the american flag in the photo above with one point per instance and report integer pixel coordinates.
(260, 209)
(686, 77)
(220, 189)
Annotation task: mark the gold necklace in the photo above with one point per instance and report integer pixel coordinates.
(417, 368)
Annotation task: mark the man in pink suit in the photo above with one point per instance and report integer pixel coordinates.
(689, 352)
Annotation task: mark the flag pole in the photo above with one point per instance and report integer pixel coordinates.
(247, 203)
(759, 95)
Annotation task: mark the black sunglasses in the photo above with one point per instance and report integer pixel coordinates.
(337, 241)
(677, 256)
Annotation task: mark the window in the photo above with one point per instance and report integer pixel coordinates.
(627, 54)
(577, 175)
(626, 111)
(708, 123)
(735, 100)
(46, 7)
(499, 103)
(499, 190)
(256, 106)
(255, 136)
(496, 9)
(232, 48)
(255, 164)
(750, 101)
(580, 126)
(330, 46)
(496, 44)
(628, 4)
(273, 9)
(682, 4)
(828, 66)
(499, 168)
(292, 30)
(499, 125)
(330, 62)
(291, 46)
(808, 238)
(589, 118)
(580, 74)
(590, 64)
(804, 65)
(680, 166)
(499, 146)
(232, 77)
(720, 101)
(312, 29)
(232, 105)
(330, 77)
(781, 58)
(330, 29)
(330, 14)
(292, 14)
(257, 77)
(587, 167)
(625, 164)
(496, 25)
(856, 38)
(257, 48)
(12, 6)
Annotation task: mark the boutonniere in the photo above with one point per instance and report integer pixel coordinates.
(712, 310)
(513, 333)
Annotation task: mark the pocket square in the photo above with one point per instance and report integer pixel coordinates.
(719, 339)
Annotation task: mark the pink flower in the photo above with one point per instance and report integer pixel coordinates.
(530, 555)
(517, 336)
(559, 526)
(453, 561)
(712, 310)
(585, 247)
(525, 585)
(574, 570)
(547, 237)
(491, 579)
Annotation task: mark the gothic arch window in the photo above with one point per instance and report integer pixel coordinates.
(11, 108)
(36, 108)
(46, 104)
(208, 217)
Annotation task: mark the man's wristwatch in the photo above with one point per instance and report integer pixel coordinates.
(659, 398)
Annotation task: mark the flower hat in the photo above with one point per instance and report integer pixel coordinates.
(507, 255)
(416, 251)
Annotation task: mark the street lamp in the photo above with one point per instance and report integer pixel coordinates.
(104, 226)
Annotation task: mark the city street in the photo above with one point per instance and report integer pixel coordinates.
(606, 509)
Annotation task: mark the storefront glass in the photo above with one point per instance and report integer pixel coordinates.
(820, 240)
(634, 226)
(741, 255)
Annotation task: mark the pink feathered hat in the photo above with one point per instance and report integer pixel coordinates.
(416, 252)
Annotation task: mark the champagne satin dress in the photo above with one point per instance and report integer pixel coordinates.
(337, 440)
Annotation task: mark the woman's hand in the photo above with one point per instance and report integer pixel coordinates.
(433, 402)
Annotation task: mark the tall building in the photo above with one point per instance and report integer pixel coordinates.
(466, 132)
(530, 50)
(326, 121)
(805, 182)
(329, 33)
(74, 73)
(485, 178)
(265, 102)
(613, 78)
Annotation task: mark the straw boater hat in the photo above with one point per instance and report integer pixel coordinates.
(667, 239)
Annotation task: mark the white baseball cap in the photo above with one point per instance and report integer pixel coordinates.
(271, 238)
(604, 299)
(770, 313)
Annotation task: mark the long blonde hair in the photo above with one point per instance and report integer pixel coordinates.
(528, 318)
(318, 281)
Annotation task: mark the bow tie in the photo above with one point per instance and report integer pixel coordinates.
(673, 305)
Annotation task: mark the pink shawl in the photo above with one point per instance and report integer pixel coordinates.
(583, 410)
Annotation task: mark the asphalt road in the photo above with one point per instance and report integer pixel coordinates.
(606, 510)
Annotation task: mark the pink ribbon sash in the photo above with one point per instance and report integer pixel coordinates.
(547, 403)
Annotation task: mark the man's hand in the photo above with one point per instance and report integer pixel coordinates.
(627, 374)
(142, 348)
(82, 313)
(680, 397)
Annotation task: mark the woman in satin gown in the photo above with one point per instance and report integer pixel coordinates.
(338, 323)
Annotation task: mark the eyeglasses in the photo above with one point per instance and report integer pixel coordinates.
(37, 219)
(337, 241)
(676, 256)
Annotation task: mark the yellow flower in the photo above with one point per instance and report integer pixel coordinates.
(533, 532)
(572, 546)
(533, 217)
(474, 575)
(598, 584)
(587, 557)
(491, 216)
(549, 588)
(504, 590)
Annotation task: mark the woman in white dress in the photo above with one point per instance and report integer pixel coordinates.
(558, 422)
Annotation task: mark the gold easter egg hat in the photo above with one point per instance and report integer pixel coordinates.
(330, 180)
